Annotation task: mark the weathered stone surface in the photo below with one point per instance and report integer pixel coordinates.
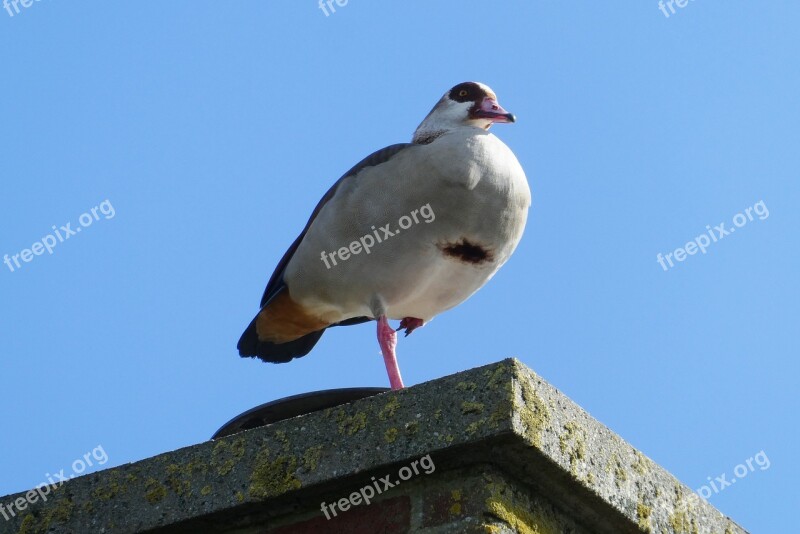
(511, 454)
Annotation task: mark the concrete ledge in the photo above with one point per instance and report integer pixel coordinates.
(511, 454)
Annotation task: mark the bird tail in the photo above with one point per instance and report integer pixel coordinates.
(251, 346)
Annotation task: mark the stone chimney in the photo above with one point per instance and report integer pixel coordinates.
(491, 450)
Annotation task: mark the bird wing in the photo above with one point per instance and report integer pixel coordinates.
(250, 344)
(276, 282)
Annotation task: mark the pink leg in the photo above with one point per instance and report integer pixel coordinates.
(387, 338)
(410, 324)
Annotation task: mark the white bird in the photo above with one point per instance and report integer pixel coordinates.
(411, 231)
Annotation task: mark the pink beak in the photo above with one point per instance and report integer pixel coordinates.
(490, 109)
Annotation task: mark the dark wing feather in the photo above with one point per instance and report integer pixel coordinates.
(376, 158)
(249, 344)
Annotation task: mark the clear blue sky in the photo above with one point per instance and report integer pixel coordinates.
(212, 129)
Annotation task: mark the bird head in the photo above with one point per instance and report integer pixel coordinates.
(468, 104)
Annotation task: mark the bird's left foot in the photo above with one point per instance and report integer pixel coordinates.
(410, 324)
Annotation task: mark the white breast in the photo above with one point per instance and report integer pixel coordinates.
(478, 193)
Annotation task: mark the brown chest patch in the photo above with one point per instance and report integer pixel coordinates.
(284, 320)
(467, 251)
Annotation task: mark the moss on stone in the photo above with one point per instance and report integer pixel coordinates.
(349, 425)
(455, 507)
(28, 525)
(311, 457)
(466, 386)
(519, 518)
(389, 409)
(534, 414)
(390, 435)
(471, 407)
(412, 428)
(680, 523)
(681, 519)
(495, 376)
(272, 477)
(154, 492)
(109, 490)
(572, 443)
(642, 463)
(55, 513)
(643, 513)
(175, 480)
(226, 454)
(503, 412)
(473, 427)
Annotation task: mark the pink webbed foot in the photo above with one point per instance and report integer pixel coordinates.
(387, 339)
(410, 324)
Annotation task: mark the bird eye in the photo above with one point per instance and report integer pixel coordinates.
(462, 92)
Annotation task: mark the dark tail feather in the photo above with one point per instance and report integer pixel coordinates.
(250, 346)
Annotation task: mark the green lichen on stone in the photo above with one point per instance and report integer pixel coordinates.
(108, 490)
(534, 414)
(495, 376)
(154, 491)
(226, 454)
(615, 466)
(455, 507)
(240, 496)
(502, 413)
(206, 490)
(389, 409)
(471, 407)
(473, 427)
(642, 463)
(681, 519)
(466, 386)
(272, 477)
(311, 457)
(501, 504)
(682, 524)
(175, 480)
(349, 425)
(113, 485)
(28, 525)
(412, 428)
(54, 513)
(390, 435)
(572, 443)
(437, 414)
(643, 513)
(620, 475)
(280, 437)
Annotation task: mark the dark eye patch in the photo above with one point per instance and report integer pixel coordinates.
(467, 92)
